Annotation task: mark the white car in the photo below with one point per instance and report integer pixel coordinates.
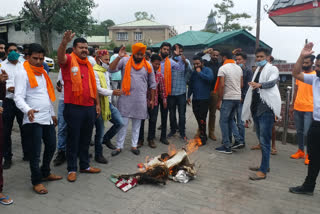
(50, 62)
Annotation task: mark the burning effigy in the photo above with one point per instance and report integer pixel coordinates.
(174, 165)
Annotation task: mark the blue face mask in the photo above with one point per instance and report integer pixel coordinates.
(13, 56)
(241, 65)
(261, 63)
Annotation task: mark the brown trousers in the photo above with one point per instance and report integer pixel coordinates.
(212, 113)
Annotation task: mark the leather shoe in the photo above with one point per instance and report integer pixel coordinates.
(140, 143)
(52, 177)
(7, 164)
(115, 152)
(101, 159)
(109, 144)
(164, 141)
(135, 151)
(152, 144)
(90, 170)
(72, 176)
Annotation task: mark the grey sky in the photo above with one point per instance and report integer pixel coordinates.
(286, 41)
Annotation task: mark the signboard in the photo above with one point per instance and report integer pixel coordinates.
(3, 28)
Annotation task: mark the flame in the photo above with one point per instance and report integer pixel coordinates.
(172, 150)
(193, 145)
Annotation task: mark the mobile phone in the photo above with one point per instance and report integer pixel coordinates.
(1, 103)
(59, 84)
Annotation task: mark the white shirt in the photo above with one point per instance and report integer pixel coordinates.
(232, 74)
(314, 80)
(62, 83)
(92, 60)
(12, 70)
(27, 98)
(102, 91)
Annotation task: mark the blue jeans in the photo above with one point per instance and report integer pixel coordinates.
(264, 124)
(173, 102)
(227, 114)
(117, 121)
(62, 127)
(238, 129)
(302, 121)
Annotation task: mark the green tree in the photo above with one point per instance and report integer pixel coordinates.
(57, 15)
(102, 28)
(228, 21)
(143, 15)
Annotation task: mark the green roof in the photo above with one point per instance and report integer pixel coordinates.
(139, 23)
(206, 39)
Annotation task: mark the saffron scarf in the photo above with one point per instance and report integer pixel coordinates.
(126, 81)
(167, 75)
(216, 87)
(77, 80)
(32, 72)
(104, 100)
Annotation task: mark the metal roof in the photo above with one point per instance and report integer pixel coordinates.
(278, 4)
(140, 23)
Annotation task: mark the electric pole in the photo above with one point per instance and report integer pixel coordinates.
(258, 23)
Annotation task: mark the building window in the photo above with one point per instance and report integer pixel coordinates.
(122, 36)
(17, 26)
(138, 36)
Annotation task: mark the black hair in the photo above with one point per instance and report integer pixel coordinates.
(226, 53)
(317, 58)
(197, 58)
(2, 42)
(79, 40)
(177, 44)
(271, 59)
(69, 50)
(91, 51)
(264, 50)
(20, 49)
(243, 55)
(311, 57)
(10, 44)
(165, 44)
(25, 46)
(116, 50)
(149, 49)
(148, 54)
(36, 48)
(95, 46)
(155, 57)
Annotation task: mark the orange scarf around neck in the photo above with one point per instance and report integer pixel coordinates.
(32, 72)
(167, 75)
(76, 78)
(216, 87)
(126, 81)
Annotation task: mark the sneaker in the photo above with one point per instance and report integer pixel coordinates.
(164, 141)
(171, 134)
(307, 161)
(237, 145)
(7, 164)
(299, 154)
(135, 151)
(301, 190)
(101, 159)
(224, 149)
(109, 144)
(60, 158)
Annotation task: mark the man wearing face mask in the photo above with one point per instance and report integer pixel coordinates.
(263, 103)
(108, 111)
(302, 109)
(12, 66)
(214, 65)
(137, 76)
(2, 50)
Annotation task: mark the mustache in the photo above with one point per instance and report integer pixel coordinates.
(84, 52)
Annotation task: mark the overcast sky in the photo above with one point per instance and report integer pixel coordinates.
(286, 41)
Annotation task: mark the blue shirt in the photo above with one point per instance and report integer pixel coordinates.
(247, 77)
(313, 80)
(117, 75)
(200, 84)
(178, 73)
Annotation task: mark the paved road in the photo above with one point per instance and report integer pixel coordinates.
(221, 187)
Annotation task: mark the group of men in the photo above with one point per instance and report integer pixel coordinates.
(148, 82)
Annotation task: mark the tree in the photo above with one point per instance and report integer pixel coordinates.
(228, 21)
(143, 15)
(57, 15)
(102, 28)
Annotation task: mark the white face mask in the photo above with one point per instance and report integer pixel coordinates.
(104, 65)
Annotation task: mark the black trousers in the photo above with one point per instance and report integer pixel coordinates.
(200, 110)
(34, 134)
(10, 112)
(80, 122)
(153, 115)
(314, 155)
(164, 120)
(179, 102)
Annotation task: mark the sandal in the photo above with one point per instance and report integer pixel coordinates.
(274, 151)
(52, 177)
(6, 200)
(255, 177)
(40, 189)
(256, 147)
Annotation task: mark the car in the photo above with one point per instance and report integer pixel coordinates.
(50, 62)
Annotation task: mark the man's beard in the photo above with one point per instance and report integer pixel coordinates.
(306, 68)
(137, 60)
(2, 54)
(164, 55)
